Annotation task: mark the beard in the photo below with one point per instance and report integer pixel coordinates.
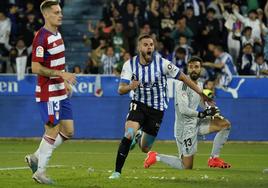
(147, 56)
(194, 76)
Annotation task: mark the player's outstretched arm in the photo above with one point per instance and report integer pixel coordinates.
(124, 88)
(37, 68)
(213, 65)
(194, 87)
(190, 83)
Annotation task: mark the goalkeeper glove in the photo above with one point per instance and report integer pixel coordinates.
(209, 111)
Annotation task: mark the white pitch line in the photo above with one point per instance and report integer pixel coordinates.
(26, 167)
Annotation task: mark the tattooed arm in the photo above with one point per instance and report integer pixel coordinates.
(37, 68)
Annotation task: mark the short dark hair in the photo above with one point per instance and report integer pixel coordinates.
(181, 50)
(144, 36)
(48, 3)
(247, 44)
(258, 55)
(212, 10)
(246, 29)
(195, 58)
(252, 11)
(219, 47)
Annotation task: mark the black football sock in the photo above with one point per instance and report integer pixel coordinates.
(122, 154)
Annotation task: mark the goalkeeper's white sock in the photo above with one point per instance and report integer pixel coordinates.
(173, 161)
(219, 140)
(45, 151)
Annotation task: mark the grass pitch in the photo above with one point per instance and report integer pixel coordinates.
(89, 164)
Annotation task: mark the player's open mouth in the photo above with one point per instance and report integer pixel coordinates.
(149, 53)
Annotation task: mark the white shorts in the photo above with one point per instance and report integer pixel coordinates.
(186, 136)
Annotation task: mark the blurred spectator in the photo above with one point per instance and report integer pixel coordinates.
(233, 26)
(250, 21)
(77, 69)
(129, 22)
(247, 36)
(214, 4)
(154, 16)
(14, 18)
(183, 43)
(91, 67)
(211, 28)
(223, 66)
(105, 28)
(93, 36)
(247, 60)
(18, 51)
(167, 19)
(266, 12)
(118, 66)
(192, 21)
(29, 8)
(208, 56)
(119, 40)
(209, 84)
(178, 58)
(108, 60)
(145, 29)
(181, 29)
(31, 26)
(97, 53)
(260, 67)
(196, 6)
(5, 29)
(265, 37)
(167, 41)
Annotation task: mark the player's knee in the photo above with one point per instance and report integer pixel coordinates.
(129, 134)
(225, 124)
(188, 166)
(187, 162)
(67, 134)
(70, 134)
(228, 124)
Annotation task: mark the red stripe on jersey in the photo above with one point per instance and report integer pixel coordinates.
(55, 44)
(57, 93)
(55, 56)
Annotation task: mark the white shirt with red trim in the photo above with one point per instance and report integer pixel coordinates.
(48, 50)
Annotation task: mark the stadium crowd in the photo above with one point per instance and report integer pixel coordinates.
(19, 21)
(183, 28)
(217, 30)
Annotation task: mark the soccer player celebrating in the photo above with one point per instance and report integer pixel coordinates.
(146, 75)
(189, 123)
(48, 62)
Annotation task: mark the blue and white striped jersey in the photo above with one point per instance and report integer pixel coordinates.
(228, 70)
(152, 90)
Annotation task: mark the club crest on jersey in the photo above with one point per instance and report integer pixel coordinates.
(134, 77)
(39, 51)
(171, 67)
(57, 115)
